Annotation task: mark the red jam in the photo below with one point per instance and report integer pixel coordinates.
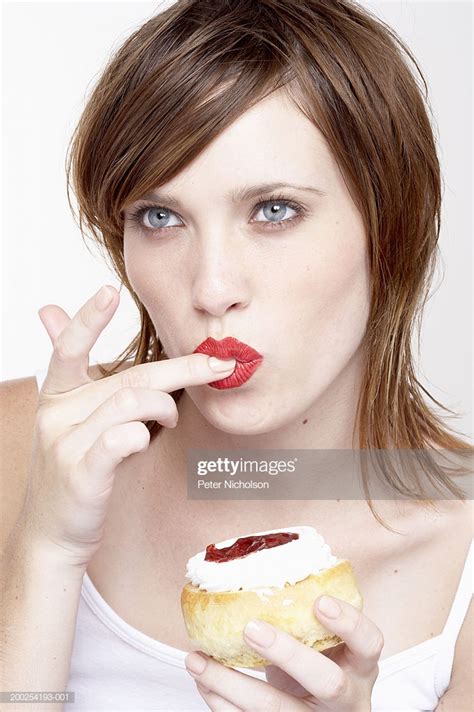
(247, 545)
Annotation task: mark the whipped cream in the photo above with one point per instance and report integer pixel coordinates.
(286, 563)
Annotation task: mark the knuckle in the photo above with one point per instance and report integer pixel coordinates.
(125, 399)
(169, 405)
(143, 433)
(366, 629)
(271, 700)
(135, 378)
(44, 424)
(193, 368)
(60, 454)
(108, 441)
(357, 624)
(375, 673)
(335, 685)
(64, 350)
(288, 653)
(86, 318)
(375, 646)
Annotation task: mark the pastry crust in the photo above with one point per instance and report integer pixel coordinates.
(215, 620)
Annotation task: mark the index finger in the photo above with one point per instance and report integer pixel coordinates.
(363, 640)
(171, 374)
(167, 376)
(315, 672)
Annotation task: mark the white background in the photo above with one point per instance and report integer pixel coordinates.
(53, 53)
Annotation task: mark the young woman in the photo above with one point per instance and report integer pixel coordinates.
(264, 171)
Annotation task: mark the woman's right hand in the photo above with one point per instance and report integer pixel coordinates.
(85, 428)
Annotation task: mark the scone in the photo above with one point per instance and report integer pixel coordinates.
(274, 575)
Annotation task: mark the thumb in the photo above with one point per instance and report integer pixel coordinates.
(54, 320)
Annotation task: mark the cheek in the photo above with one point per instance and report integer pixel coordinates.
(154, 286)
(157, 291)
(135, 264)
(332, 296)
(342, 285)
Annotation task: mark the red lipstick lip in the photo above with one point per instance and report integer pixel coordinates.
(248, 360)
(229, 347)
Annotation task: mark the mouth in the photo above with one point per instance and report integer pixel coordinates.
(247, 358)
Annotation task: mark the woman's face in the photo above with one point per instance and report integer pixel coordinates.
(292, 281)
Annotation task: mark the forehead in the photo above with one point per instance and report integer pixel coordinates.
(271, 141)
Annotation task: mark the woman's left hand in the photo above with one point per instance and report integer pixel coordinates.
(300, 677)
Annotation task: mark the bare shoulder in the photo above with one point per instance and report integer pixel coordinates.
(457, 513)
(443, 533)
(18, 407)
(18, 404)
(446, 535)
(449, 526)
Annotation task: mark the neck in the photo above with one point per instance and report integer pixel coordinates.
(163, 474)
(327, 425)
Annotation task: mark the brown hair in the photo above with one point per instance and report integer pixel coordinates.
(189, 72)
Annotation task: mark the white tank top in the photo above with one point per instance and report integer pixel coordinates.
(116, 667)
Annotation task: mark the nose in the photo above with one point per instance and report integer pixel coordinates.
(220, 276)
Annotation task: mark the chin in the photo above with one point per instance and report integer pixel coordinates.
(235, 418)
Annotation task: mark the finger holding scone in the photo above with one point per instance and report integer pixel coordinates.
(222, 687)
(344, 686)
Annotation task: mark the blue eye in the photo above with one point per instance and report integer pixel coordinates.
(277, 210)
(274, 209)
(157, 217)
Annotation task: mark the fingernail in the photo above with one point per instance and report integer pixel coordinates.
(103, 298)
(260, 632)
(329, 607)
(195, 664)
(220, 365)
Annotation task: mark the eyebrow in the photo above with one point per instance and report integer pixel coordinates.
(239, 194)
